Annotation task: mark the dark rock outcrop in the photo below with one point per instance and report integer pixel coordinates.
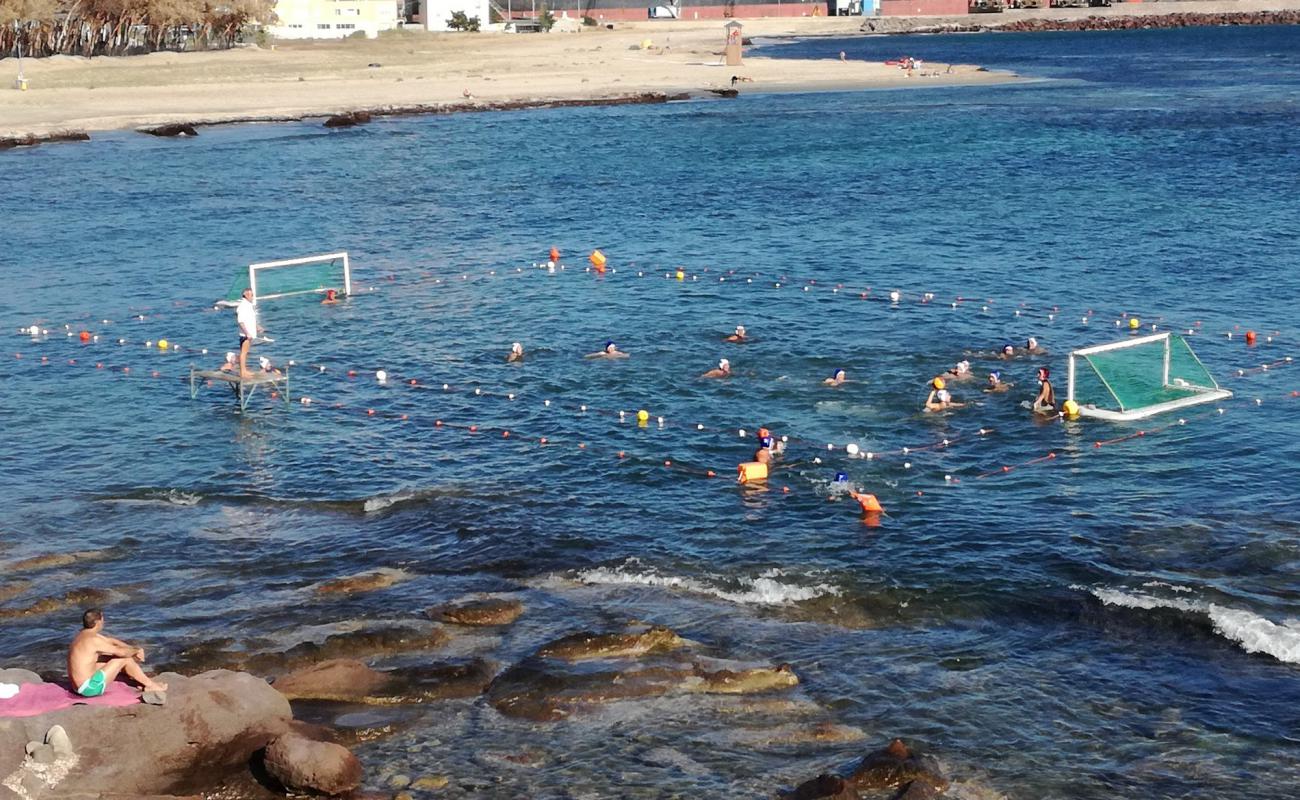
(306, 765)
(348, 119)
(32, 139)
(350, 681)
(478, 612)
(895, 766)
(175, 129)
(585, 644)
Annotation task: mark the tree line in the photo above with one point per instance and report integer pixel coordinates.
(122, 27)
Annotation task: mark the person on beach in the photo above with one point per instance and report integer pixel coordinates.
(331, 297)
(516, 353)
(723, 370)
(246, 317)
(996, 385)
(939, 398)
(837, 377)
(1045, 402)
(95, 660)
(738, 336)
(611, 351)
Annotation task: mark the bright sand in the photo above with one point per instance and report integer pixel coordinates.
(417, 68)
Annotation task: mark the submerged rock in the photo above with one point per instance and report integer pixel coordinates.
(347, 119)
(586, 644)
(351, 681)
(305, 765)
(895, 766)
(478, 612)
(174, 129)
(47, 605)
(363, 582)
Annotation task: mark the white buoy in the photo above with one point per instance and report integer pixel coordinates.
(741, 433)
(895, 296)
(381, 376)
(851, 449)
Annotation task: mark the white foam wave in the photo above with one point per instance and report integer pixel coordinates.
(1252, 632)
(765, 589)
(374, 504)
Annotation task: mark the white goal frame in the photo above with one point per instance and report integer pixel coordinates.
(290, 262)
(1202, 394)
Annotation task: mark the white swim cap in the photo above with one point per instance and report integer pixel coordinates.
(724, 364)
(516, 348)
(265, 362)
(963, 367)
(1033, 343)
(740, 329)
(230, 358)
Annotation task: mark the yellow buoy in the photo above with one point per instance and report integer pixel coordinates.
(162, 344)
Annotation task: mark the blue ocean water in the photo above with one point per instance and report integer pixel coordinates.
(1108, 621)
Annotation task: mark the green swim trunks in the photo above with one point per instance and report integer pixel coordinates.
(94, 685)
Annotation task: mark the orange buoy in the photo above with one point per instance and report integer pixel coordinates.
(869, 503)
(84, 336)
(555, 254)
(1250, 337)
(597, 260)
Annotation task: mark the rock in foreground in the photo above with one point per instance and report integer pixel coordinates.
(304, 765)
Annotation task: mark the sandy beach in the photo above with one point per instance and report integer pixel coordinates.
(416, 68)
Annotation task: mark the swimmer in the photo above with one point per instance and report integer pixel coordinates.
(1008, 352)
(723, 370)
(1032, 348)
(995, 383)
(1045, 402)
(232, 363)
(331, 297)
(611, 351)
(738, 336)
(763, 454)
(960, 372)
(836, 378)
(939, 399)
(267, 367)
(516, 353)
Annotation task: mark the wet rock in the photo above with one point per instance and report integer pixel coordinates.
(347, 680)
(399, 781)
(348, 118)
(430, 783)
(823, 787)
(897, 765)
(13, 588)
(352, 644)
(48, 605)
(19, 676)
(174, 129)
(586, 644)
(478, 612)
(364, 582)
(752, 680)
(209, 729)
(305, 765)
(726, 92)
(31, 140)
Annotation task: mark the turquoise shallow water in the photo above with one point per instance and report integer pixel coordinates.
(1114, 621)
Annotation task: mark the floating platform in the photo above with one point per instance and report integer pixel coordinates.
(244, 388)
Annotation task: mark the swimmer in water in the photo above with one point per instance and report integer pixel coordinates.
(960, 372)
(331, 297)
(939, 399)
(763, 454)
(723, 370)
(995, 383)
(1045, 402)
(836, 378)
(267, 367)
(1032, 348)
(738, 336)
(232, 363)
(516, 353)
(1008, 352)
(611, 351)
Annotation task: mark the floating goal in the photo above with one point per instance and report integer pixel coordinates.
(1139, 378)
(307, 275)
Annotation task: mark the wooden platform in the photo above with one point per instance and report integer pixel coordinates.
(244, 388)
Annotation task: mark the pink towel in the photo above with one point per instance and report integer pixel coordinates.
(39, 698)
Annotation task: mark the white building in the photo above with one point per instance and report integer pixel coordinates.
(437, 12)
(332, 19)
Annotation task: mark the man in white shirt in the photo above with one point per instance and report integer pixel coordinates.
(246, 316)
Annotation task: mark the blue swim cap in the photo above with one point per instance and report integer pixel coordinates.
(995, 375)
(766, 441)
(607, 344)
(841, 477)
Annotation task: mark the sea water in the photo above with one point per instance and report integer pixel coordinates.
(1090, 622)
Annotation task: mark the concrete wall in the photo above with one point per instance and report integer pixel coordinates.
(332, 19)
(926, 8)
(437, 12)
(740, 11)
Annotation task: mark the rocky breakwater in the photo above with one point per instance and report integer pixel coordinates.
(1095, 22)
(585, 670)
(208, 729)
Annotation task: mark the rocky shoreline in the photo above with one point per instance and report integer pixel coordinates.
(227, 731)
(1114, 22)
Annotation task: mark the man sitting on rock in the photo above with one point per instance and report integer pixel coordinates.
(94, 660)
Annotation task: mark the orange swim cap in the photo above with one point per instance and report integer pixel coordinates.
(938, 383)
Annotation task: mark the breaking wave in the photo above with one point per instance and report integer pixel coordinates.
(1250, 631)
(767, 588)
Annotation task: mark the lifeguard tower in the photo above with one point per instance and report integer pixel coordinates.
(734, 40)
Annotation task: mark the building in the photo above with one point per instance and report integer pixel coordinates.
(924, 8)
(437, 12)
(332, 19)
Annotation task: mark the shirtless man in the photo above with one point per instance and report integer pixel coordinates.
(94, 660)
(331, 297)
(516, 353)
(939, 399)
(996, 384)
(1045, 402)
(738, 336)
(838, 377)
